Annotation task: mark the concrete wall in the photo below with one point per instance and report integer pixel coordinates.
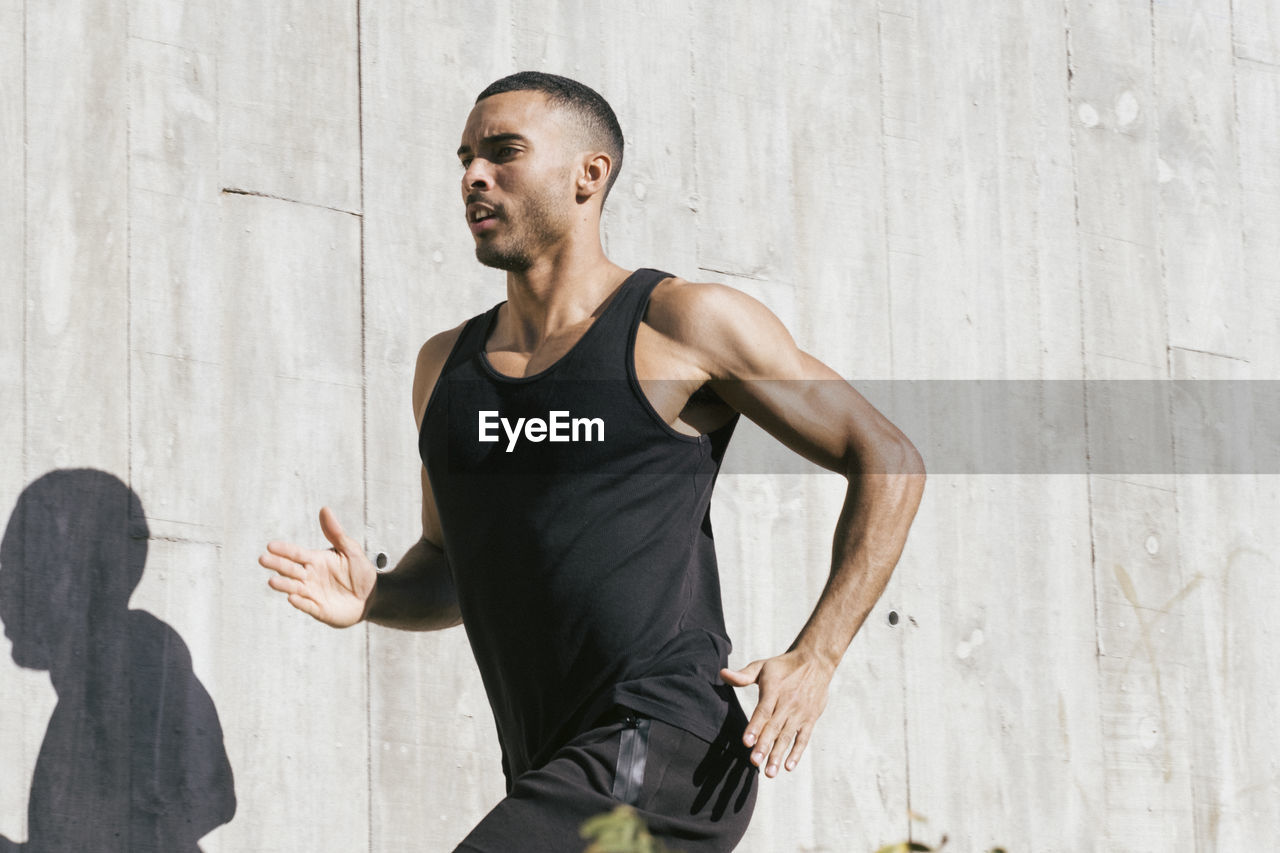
(225, 229)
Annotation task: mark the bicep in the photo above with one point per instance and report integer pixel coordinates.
(819, 415)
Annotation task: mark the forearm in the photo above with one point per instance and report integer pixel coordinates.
(418, 594)
(870, 535)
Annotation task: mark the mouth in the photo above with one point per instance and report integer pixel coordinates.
(480, 218)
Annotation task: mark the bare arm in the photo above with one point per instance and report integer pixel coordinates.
(823, 418)
(750, 360)
(418, 594)
(339, 585)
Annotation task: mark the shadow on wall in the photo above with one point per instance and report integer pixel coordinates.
(133, 758)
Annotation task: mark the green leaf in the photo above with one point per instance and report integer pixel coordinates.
(620, 831)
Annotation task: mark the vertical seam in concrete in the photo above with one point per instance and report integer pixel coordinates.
(1231, 30)
(26, 321)
(1161, 263)
(1075, 194)
(1235, 113)
(884, 191)
(128, 260)
(364, 430)
(884, 195)
(128, 323)
(1159, 247)
(696, 189)
(906, 730)
(26, 269)
(1084, 385)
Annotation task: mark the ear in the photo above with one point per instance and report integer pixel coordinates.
(593, 175)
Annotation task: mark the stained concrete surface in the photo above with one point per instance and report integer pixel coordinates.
(225, 229)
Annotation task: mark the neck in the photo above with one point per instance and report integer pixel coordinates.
(560, 289)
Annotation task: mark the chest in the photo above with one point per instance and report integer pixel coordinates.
(671, 380)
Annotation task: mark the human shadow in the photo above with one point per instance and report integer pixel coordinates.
(133, 758)
(725, 771)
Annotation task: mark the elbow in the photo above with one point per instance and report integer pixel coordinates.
(905, 466)
(901, 473)
(907, 460)
(893, 454)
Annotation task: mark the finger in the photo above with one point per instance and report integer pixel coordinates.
(757, 726)
(333, 530)
(289, 586)
(742, 677)
(282, 565)
(735, 679)
(306, 605)
(802, 740)
(780, 745)
(768, 744)
(289, 551)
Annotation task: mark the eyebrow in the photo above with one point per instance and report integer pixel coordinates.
(497, 138)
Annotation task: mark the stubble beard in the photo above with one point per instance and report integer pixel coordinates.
(535, 225)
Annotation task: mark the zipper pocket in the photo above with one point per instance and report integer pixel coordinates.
(628, 776)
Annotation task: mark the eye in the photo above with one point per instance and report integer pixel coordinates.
(508, 150)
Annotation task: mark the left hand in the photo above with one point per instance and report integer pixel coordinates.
(793, 694)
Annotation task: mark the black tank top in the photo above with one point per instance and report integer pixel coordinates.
(579, 537)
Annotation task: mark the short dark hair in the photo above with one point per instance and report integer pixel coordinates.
(597, 118)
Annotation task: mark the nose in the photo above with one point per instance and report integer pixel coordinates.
(477, 176)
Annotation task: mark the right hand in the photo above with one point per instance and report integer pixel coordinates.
(332, 585)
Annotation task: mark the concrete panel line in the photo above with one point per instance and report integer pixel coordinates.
(735, 273)
(901, 47)
(1173, 347)
(186, 47)
(364, 425)
(238, 191)
(1139, 483)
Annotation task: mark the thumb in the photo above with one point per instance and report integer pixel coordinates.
(333, 531)
(742, 677)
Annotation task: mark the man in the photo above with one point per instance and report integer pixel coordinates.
(570, 438)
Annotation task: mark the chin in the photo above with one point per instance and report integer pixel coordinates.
(28, 658)
(511, 262)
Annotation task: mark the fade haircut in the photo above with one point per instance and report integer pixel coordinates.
(596, 120)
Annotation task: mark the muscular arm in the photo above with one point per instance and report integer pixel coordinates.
(748, 358)
(418, 594)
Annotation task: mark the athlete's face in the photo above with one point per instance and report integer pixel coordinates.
(518, 179)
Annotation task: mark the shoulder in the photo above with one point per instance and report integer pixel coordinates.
(436, 350)
(152, 637)
(431, 358)
(732, 334)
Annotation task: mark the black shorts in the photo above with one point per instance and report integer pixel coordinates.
(694, 796)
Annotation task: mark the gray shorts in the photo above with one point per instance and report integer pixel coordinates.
(694, 796)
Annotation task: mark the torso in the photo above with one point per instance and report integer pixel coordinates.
(599, 543)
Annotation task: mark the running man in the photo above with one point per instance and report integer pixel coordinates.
(570, 439)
